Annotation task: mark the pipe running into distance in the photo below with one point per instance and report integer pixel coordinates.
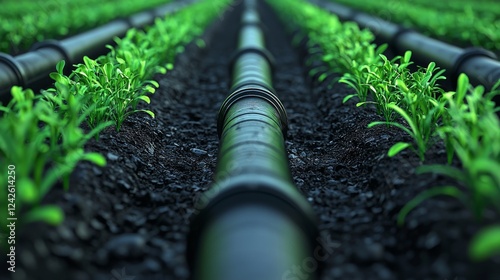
(253, 223)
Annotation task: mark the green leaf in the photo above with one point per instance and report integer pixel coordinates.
(485, 244)
(60, 66)
(445, 190)
(398, 125)
(359, 104)
(407, 57)
(48, 213)
(398, 147)
(95, 158)
(200, 43)
(27, 190)
(161, 70)
(57, 77)
(322, 77)
(348, 97)
(401, 84)
(446, 170)
(462, 85)
(17, 93)
(88, 61)
(407, 118)
(147, 112)
(108, 70)
(144, 98)
(149, 89)
(328, 57)
(316, 70)
(154, 83)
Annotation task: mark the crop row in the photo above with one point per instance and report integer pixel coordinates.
(44, 135)
(478, 8)
(464, 120)
(23, 23)
(466, 26)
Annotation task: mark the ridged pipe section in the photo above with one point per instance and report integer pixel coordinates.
(32, 69)
(253, 223)
(479, 64)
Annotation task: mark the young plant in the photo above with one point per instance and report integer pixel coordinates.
(44, 143)
(465, 23)
(473, 131)
(43, 135)
(419, 107)
(382, 79)
(28, 22)
(115, 93)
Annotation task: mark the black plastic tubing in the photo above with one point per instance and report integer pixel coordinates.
(32, 69)
(480, 65)
(253, 223)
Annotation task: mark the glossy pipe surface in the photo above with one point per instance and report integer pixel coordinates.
(253, 223)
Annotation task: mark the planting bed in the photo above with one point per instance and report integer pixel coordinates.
(129, 220)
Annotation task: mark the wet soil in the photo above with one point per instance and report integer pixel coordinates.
(130, 219)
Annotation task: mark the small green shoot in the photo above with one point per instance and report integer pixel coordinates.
(485, 244)
(425, 195)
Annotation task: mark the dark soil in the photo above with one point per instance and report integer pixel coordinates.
(131, 218)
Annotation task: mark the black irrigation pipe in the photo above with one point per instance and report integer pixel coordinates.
(479, 64)
(32, 69)
(253, 222)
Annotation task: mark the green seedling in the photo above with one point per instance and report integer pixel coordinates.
(115, 93)
(119, 81)
(42, 138)
(453, 21)
(472, 130)
(485, 244)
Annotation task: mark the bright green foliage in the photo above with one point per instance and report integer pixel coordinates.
(50, 214)
(24, 22)
(43, 139)
(396, 92)
(473, 133)
(365, 78)
(465, 22)
(429, 193)
(471, 130)
(472, 124)
(381, 82)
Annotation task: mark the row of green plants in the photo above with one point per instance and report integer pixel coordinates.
(464, 120)
(479, 8)
(44, 135)
(23, 23)
(466, 26)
